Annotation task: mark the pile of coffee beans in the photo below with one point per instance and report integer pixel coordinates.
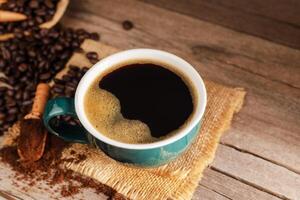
(66, 86)
(29, 60)
(37, 12)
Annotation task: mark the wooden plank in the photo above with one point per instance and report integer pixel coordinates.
(204, 193)
(273, 103)
(215, 43)
(257, 172)
(281, 10)
(232, 188)
(282, 146)
(274, 20)
(268, 98)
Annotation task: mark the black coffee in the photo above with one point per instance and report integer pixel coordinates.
(149, 101)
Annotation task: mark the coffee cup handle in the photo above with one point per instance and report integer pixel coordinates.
(63, 106)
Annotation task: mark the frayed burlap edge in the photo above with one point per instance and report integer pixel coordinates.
(189, 186)
(181, 181)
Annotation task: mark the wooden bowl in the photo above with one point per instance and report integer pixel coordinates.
(60, 10)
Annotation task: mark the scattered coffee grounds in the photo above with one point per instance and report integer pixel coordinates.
(32, 139)
(48, 169)
(127, 25)
(28, 60)
(37, 12)
(93, 57)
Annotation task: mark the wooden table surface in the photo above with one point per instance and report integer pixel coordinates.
(251, 44)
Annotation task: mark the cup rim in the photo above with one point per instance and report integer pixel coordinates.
(141, 54)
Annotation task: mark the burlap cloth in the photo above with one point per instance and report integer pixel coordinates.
(176, 180)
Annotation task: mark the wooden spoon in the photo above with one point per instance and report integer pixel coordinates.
(60, 10)
(8, 16)
(33, 135)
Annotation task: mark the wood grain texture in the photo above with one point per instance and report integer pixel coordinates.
(203, 193)
(265, 135)
(232, 188)
(274, 103)
(257, 172)
(275, 20)
(267, 125)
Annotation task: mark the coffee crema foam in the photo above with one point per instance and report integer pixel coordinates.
(103, 110)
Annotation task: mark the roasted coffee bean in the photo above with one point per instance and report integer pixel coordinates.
(69, 89)
(127, 25)
(85, 69)
(13, 110)
(65, 55)
(73, 123)
(92, 55)
(94, 61)
(72, 73)
(32, 53)
(45, 76)
(40, 12)
(1, 102)
(18, 95)
(74, 68)
(11, 118)
(12, 81)
(58, 81)
(76, 80)
(18, 87)
(26, 95)
(49, 4)
(95, 36)
(5, 53)
(24, 79)
(33, 4)
(66, 118)
(20, 3)
(69, 94)
(11, 103)
(3, 80)
(62, 87)
(23, 67)
(58, 47)
(3, 89)
(2, 109)
(39, 20)
(66, 78)
(2, 116)
(58, 90)
(2, 64)
(6, 126)
(11, 4)
(10, 93)
(26, 103)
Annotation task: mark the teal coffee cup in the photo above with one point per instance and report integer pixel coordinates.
(146, 155)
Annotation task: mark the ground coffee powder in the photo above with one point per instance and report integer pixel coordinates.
(48, 169)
